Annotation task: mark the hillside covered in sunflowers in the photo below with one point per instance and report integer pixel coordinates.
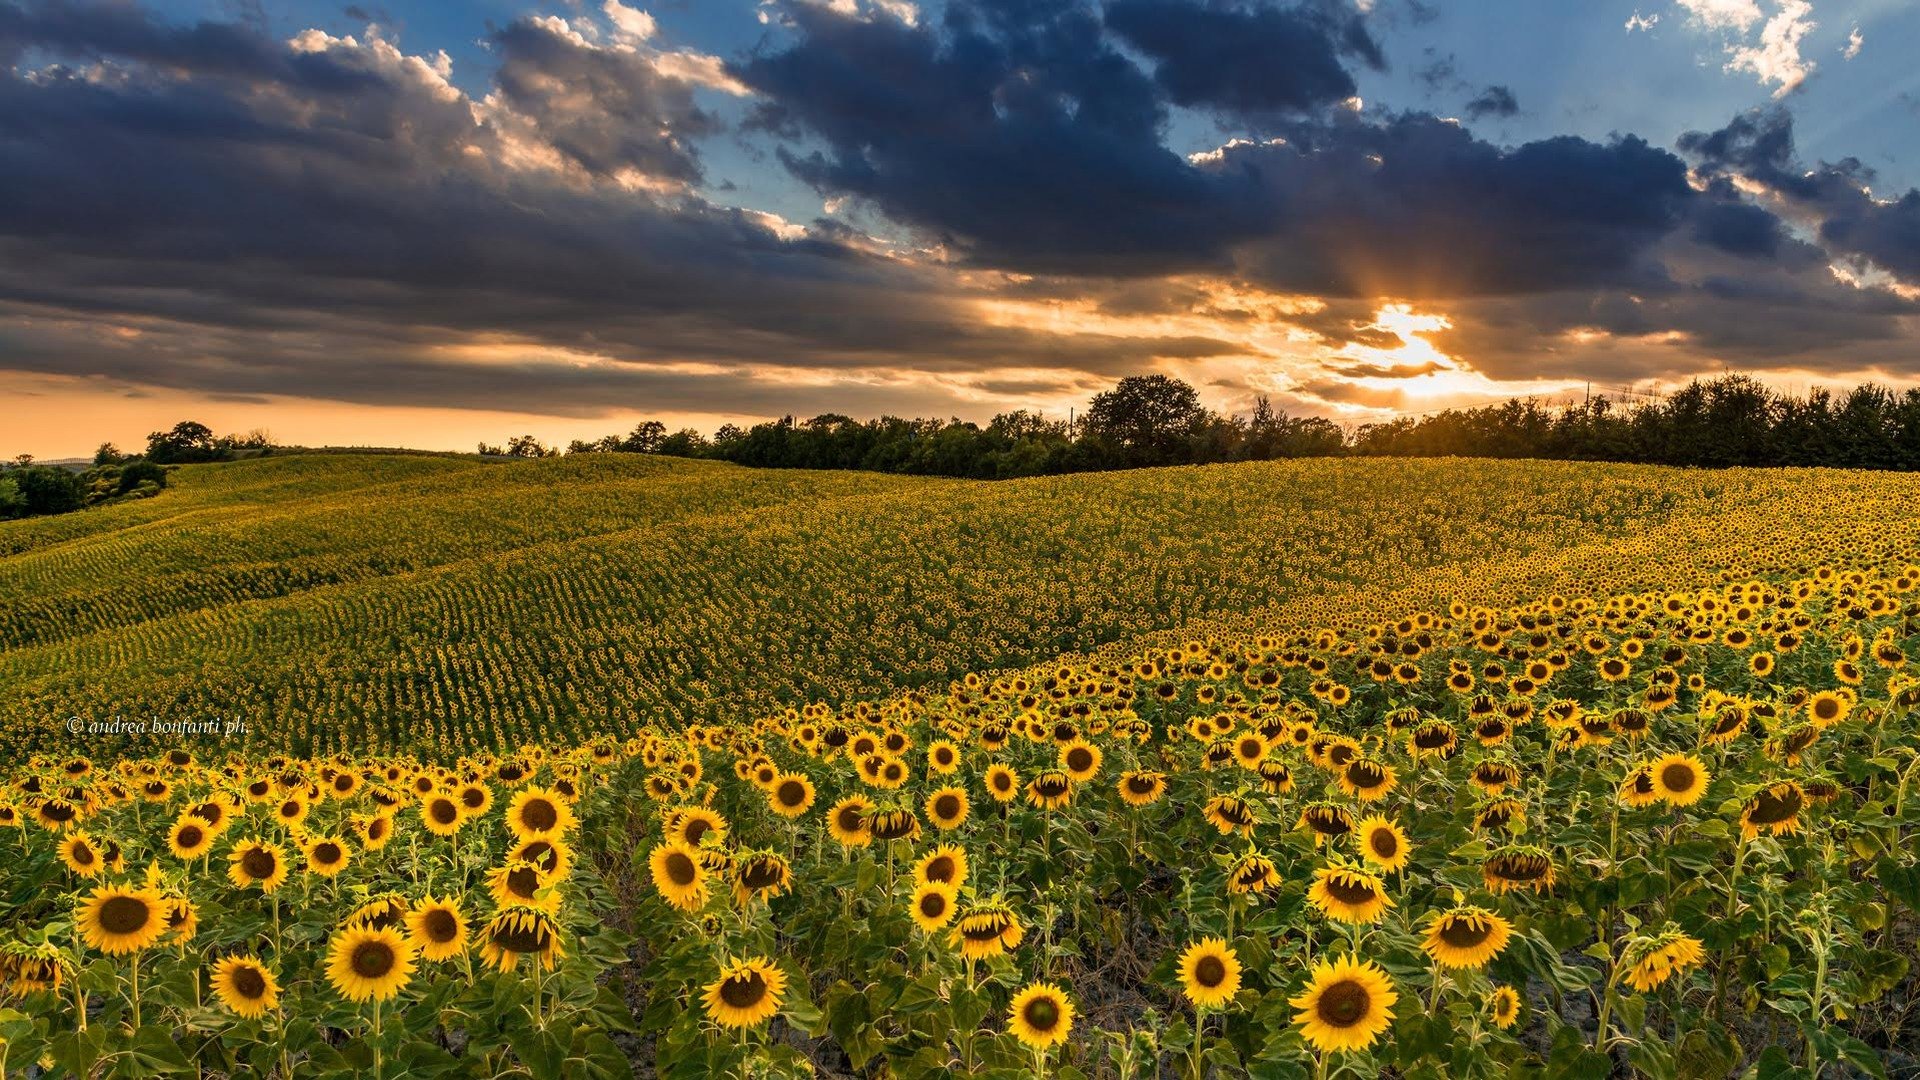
(1318, 769)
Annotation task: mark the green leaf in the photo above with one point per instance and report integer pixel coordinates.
(1774, 1064)
(77, 1051)
(1901, 882)
(1706, 1055)
(153, 1052)
(1573, 1059)
(541, 1052)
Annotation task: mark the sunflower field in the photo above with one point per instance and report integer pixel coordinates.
(1639, 802)
(444, 606)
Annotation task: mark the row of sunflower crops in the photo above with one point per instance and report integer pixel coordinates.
(474, 607)
(1658, 832)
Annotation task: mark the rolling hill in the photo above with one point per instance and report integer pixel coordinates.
(448, 604)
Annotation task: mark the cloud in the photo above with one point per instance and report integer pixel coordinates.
(632, 25)
(1637, 21)
(1013, 142)
(1723, 14)
(1835, 198)
(605, 109)
(1773, 55)
(1855, 42)
(1417, 206)
(1250, 63)
(1493, 101)
(1776, 58)
(1047, 140)
(322, 217)
(207, 208)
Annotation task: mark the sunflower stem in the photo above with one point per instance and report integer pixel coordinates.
(1733, 902)
(1193, 1052)
(136, 990)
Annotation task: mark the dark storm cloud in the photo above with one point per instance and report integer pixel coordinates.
(1247, 62)
(203, 207)
(330, 214)
(1759, 147)
(1730, 224)
(1493, 101)
(1030, 144)
(1017, 134)
(1417, 206)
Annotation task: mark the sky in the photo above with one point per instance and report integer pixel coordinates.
(426, 223)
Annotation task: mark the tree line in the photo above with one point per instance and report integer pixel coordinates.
(31, 489)
(1152, 420)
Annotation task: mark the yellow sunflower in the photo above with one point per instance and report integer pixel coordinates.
(522, 884)
(1516, 867)
(1680, 779)
(189, 838)
(1504, 1005)
(1827, 708)
(1653, 961)
(475, 798)
(117, 919)
(257, 863)
(1209, 973)
(1637, 789)
(1140, 787)
(1050, 790)
(441, 815)
(437, 928)
(1230, 814)
(1080, 759)
(1773, 811)
(183, 919)
(847, 821)
(946, 864)
(81, 854)
(761, 875)
(521, 931)
(1382, 843)
(947, 808)
(1348, 1003)
(987, 930)
(690, 825)
(1003, 784)
(327, 855)
(791, 794)
(1466, 937)
(746, 994)
(893, 823)
(552, 855)
(245, 986)
(538, 812)
(943, 757)
(933, 905)
(1326, 821)
(1349, 895)
(365, 964)
(1253, 873)
(291, 811)
(380, 913)
(1367, 779)
(1041, 1016)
